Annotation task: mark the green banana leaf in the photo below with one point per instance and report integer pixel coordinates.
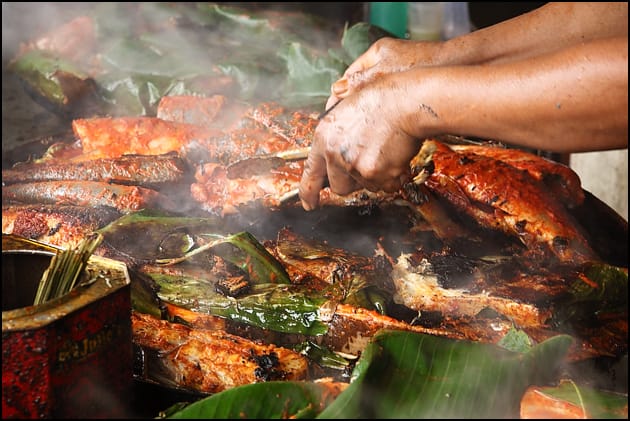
(309, 75)
(244, 251)
(139, 94)
(281, 308)
(323, 356)
(358, 38)
(149, 236)
(407, 375)
(277, 400)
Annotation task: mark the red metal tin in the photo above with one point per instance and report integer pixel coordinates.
(71, 356)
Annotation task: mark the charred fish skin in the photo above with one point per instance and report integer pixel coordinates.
(561, 179)
(113, 137)
(61, 225)
(502, 197)
(263, 130)
(211, 361)
(87, 193)
(142, 170)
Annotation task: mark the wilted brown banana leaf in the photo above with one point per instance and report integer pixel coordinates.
(57, 84)
(147, 235)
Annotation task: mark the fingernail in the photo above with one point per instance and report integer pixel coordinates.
(307, 207)
(340, 86)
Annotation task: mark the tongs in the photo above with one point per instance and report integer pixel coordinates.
(261, 164)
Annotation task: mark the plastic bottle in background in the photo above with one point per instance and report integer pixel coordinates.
(435, 21)
(390, 16)
(456, 19)
(424, 21)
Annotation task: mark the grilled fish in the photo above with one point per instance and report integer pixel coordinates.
(215, 112)
(260, 131)
(210, 361)
(561, 179)
(501, 197)
(87, 193)
(418, 288)
(141, 170)
(113, 137)
(219, 112)
(219, 192)
(60, 225)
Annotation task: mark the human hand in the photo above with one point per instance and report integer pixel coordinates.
(359, 144)
(386, 55)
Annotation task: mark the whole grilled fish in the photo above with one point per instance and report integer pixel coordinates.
(210, 361)
(561, 179)
(501, 197)
(107, 137)
(61, 225)
(88, 193)
(141, 170)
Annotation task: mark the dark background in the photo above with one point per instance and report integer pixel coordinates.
(484, 14)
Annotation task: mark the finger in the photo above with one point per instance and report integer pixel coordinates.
(313, 179)
(394, 184)
(346, 86)
(340, 88)
(364, 61)
(341, 182)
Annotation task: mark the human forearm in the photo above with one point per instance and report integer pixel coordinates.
(569, 101)
(549, 28)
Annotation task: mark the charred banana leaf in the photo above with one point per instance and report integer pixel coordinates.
(598, 292)
(286, 308)
(243, 250)
(56, 83)
(281, 308)
(148, 235)
(169, 240)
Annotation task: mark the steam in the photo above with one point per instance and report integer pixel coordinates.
(22, 22)
(145, 51)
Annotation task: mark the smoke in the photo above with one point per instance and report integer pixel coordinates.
(22, 21)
